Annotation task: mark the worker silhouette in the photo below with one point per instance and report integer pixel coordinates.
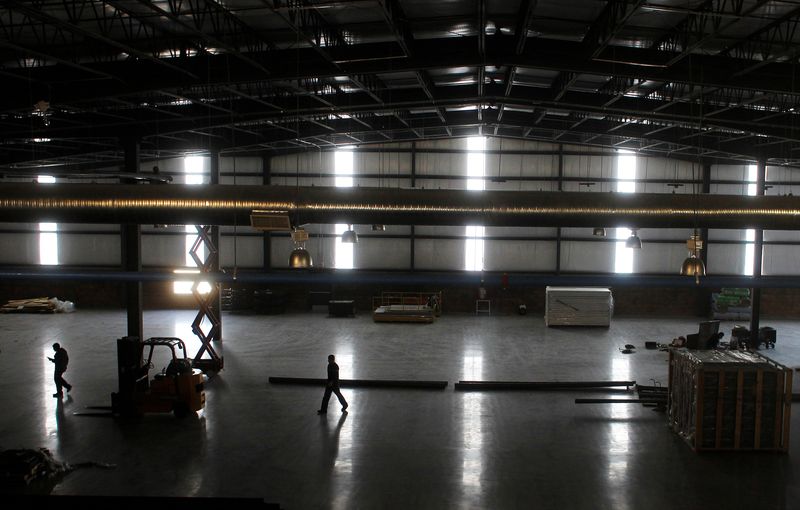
(61, 360)
(332, 386)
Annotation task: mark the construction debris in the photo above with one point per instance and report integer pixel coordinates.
(22, 468)
(38, 305)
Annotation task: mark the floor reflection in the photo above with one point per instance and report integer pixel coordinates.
(472, 428)
(53, 407)
(618, 439)
(337, 457)
(182, 328)
(192, 473)
(346, 365)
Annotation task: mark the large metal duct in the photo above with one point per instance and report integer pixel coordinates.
(232, 205)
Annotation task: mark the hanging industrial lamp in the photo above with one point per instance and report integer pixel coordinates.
(633, 241)
(599, 232)
(300, 258)
(349, 235)
(693, 265)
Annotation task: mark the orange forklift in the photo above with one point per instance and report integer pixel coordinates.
(178, 388)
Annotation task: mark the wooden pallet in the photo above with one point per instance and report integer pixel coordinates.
(404, 313)
(729, 400)
(34, 305)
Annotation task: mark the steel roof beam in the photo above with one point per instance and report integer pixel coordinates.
(524, 17)
(398, 22)
(104, 20)
(404, 100)
(218, 16)
(607, 25)
(693, 32)
(715, 71)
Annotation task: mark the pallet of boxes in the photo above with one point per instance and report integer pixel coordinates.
(729, 400)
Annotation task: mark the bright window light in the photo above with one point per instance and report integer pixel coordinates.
(185, 286)
(473, 248)
(343, 251)
(476, 169)
(626, 175)
(193, 165)
(476, 163)
(48, 236)
(750, 234)
(343, 168)
(193, 168)
(48, 245)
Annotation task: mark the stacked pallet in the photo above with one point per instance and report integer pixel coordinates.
(729, 400)
(34, 305)
(404, 313)
(578, 306)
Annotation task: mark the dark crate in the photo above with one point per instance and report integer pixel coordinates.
(729, 400)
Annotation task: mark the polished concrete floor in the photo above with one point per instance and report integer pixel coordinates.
(395, 448)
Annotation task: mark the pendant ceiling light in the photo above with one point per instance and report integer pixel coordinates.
(633, 241)
(693, 265)
(300, 258)
(599, 232)
(349, 235)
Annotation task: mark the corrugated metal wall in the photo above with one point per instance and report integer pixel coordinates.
(509, 165)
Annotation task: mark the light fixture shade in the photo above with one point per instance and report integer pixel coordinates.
(633, 241)
(300, 258)
(693, 266)
(349, 236)
(599, 232)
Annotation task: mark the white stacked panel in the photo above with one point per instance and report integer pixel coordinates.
(578, 306)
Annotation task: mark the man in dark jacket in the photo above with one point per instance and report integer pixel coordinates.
(61, 360)
(332, 386)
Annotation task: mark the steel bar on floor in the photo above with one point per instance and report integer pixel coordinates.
(548, 385)
(361, 383)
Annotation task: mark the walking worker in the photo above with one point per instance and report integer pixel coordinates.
(61, 360)
(332, 386)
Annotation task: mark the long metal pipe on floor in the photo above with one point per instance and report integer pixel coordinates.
(539, 385)
(232, 205)
(362, 383)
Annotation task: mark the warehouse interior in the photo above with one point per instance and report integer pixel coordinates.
(258, 177)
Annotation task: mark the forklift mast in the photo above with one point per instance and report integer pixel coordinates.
(132, 373)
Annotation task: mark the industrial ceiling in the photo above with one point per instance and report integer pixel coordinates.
(716, 79)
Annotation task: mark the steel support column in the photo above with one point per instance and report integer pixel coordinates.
(131, 244)
(215, 239)
(560, 188)
(705, 294)
(412, 250)
(266, 180)
(758, 248)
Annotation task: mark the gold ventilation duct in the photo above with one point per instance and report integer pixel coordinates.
(233, 205)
